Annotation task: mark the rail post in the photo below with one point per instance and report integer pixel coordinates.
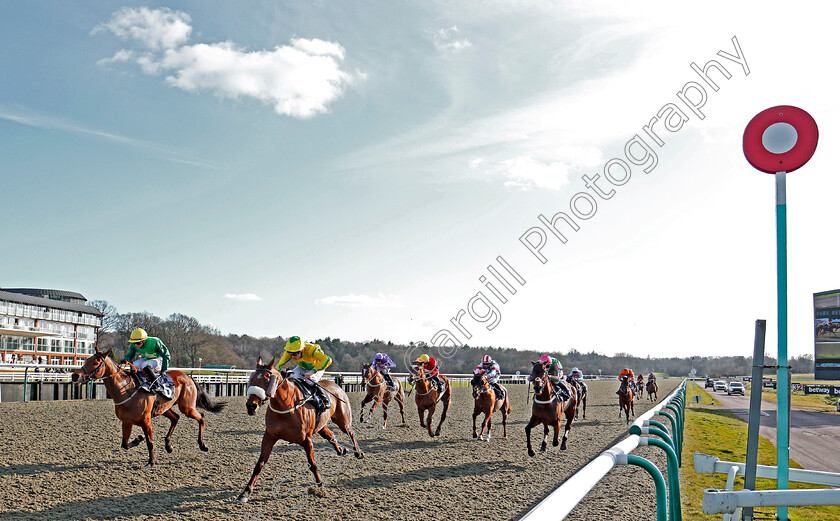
(674, 506)
(25, 382)
(658, 480)
(674, 430)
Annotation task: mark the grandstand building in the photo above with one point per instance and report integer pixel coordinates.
(46, 326)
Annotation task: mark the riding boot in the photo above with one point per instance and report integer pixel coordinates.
(149, 373)
(500, 393)
(388, 380)
(438, 383)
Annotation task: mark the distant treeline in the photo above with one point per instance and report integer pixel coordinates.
(193, 344)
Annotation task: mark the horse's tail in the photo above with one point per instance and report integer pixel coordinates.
(205, 402)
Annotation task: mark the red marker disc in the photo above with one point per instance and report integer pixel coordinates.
(770, 162)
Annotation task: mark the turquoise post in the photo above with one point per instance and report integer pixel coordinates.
(25, 382)
(782, 386)
(673, 478)
(659, 482)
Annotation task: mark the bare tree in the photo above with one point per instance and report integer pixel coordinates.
(185, 337)
(109, 317)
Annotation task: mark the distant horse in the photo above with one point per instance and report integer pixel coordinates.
(549, 409)
(487, 402)
(427, 398)
(652, 389)
(133, 407)
(378, 391)
(625, 399)
(639, 389)
(582, 392)
(291, 417)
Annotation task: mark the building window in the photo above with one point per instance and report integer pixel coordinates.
(27, 344)
(68, 346)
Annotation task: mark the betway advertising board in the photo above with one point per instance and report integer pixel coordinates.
(827, 335)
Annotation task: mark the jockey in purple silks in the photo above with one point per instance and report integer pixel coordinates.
(384, 364)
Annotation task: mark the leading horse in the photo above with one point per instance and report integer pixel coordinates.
(625, 399)
(487, 402)
(378, 392)
(427, 398)
(549, 409)
(292, 417)
(134, 407)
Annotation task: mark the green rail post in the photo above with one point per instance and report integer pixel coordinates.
(673, 478)
(678, 433)
(659, 482)
(674, 429)
(25, 382)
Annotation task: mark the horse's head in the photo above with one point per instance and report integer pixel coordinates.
(367, 373)
(94, 368)
(478, 379)
(624, 384)
(262, 385)
(538, 376)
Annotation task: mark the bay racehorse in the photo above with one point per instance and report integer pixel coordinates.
(640, 388)
(652, 390)
(378, 392)
(427, 396)
(625, 399)
(548, 409)
(134, 406)
(582, 392)
(291, 416)
(487, 402)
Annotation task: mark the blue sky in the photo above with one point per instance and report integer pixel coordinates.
(350, 169)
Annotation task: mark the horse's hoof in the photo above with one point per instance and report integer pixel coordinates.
(243, 498)
(437, 433)
(169, 449)
(563, 447)
(542, 449)
(431, 434)
(531, 453)
(360, 455)
(555, 443)
(203, 448)
(475, 435)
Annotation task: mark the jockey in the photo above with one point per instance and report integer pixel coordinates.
(310, 364)
(628, 373)
(384, 364)
(555, 373)
(576, 374)
(640, 381)
(154, 357)
(492, 371)
(652, 378)
(431, 366)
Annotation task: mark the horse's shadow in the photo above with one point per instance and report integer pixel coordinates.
(42, 467)
(478, 468)
(120, 507)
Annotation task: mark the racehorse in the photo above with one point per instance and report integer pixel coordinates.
(427, 398)
(639, 388)
(549, 409)
(625, 399)
(487, 402)
(291, 417)
(133, 407)
(582, 391)
(652, 389)
(378, 391)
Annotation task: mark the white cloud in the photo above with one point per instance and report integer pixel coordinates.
(298, 80)
(361, 301)
(527, 173)
(445, 40)
(243, 297)
(155, 29)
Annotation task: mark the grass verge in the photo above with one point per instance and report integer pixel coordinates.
(719, 433)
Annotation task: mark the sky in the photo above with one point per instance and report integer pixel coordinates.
(390, 170)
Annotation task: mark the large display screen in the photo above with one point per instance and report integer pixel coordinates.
(827, 335)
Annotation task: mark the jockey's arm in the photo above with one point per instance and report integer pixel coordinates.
(283, 360)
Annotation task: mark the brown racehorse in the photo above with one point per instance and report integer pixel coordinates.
(640, 387)
(652, 390)
(625, 399)
(291, 417)
(378, 391)
(427, 397)
(487, 402)
(582, 392)
(136, 407)
(549, 409)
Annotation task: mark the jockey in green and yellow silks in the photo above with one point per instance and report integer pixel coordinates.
(153, 355)
(311, 362)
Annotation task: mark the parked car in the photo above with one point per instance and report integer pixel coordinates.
(709, 383)
(735, 388)
(720, 385)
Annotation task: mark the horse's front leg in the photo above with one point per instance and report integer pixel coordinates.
(431, 412)
(475, 415)
(569, 419)
(488, 423)
(401, 401)
(533, 421)
(126, 434)
(330, 437)
(147, 430)
(173, 421)
(420, 413)
(385, 402)
(268, 442)
(556, 441)
(442, 414)
(309, 447)
(367, 399)
(544, 445)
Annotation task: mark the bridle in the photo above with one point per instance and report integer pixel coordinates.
(91, 375)
(265, 395)
(485, 386)
(368, 381)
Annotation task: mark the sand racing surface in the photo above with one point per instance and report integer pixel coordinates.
(63, 461)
